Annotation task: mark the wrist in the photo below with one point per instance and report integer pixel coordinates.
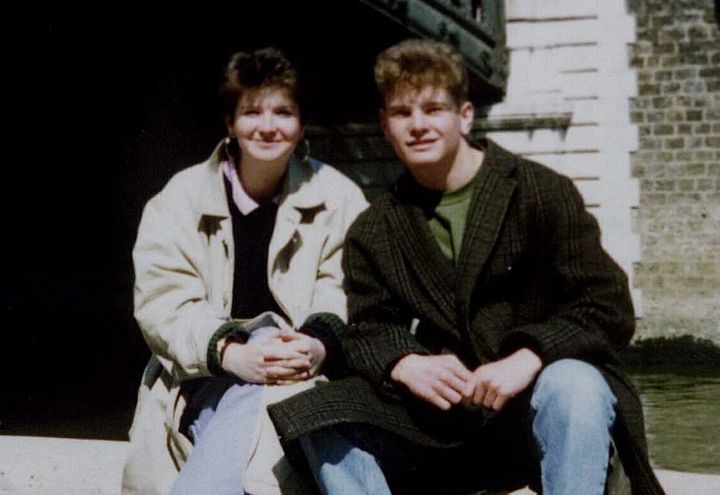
(531, 360)
(397, 373)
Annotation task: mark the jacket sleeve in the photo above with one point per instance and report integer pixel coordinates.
(378, 333)
(171, 296)
(328, 311)
(328, 292)
(594, 317)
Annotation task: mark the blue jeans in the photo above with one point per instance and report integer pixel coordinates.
(572, 409)
(224, 413)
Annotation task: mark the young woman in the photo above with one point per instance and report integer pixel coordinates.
(238, 293)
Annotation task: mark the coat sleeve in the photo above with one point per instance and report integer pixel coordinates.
(594, 317)
(378, 333)
(171, 296)
(328, 310)
(328, 292)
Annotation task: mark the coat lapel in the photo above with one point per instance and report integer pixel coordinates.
(492, 196)
(409, 226)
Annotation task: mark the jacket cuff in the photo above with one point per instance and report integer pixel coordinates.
(520, 339)
(328, 329)
(231, 330)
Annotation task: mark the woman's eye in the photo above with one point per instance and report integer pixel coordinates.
(251, 111)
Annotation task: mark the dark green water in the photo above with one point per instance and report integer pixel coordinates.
(682, 414)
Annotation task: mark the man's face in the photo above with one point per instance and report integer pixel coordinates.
(425, 126)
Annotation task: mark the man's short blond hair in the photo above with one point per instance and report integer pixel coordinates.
(420, 63)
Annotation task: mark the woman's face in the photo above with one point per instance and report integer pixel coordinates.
(267, 125)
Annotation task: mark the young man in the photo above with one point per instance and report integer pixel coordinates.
(484, 319)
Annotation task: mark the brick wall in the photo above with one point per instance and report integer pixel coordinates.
(677, 111)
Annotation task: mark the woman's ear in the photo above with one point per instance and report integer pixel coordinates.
(229, 125)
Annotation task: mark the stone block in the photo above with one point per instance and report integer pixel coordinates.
(655, 116)
(661, 102)
(663, 76)
(713, 85)
(705, 185)
(683, 74)
(649, 90)
(663, 129)
(674, 143)
(710, 72)
(701, 128)
(675, 115)
(712, 141)
(682, 156)
(637, 117)
(694, 115)
(665, 61)
(686, 185)
(694, 87)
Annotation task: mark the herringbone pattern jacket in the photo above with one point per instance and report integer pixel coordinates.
(531, 273)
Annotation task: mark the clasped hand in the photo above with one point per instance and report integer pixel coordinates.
(280, 356)
(444, 381)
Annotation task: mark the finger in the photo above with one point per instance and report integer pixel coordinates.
(288, 335)
(279, 372)
(301, 344)
(439, 402)
(454, 382)
(489, 399)
(301, 363)
(452, 363)
(447, 393)
(479, 394)
(274, 352)
(281, 323)
(499, 402)
(265, 336)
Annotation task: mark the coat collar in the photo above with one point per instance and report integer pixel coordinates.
(494, 189)
(447, 288)
(298, 191)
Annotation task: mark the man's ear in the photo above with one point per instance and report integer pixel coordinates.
(382, 115)
(467, 116)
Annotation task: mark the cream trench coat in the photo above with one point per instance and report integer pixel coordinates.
(184, 263)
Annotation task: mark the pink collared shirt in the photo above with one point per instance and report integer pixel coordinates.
(242, 200)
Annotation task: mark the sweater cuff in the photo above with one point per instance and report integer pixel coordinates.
(231, 330)
(328, 329)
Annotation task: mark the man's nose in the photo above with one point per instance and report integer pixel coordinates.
(418, 122)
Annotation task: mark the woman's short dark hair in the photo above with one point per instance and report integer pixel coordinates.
(264, 68)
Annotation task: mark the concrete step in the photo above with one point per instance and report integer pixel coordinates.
(59, 466)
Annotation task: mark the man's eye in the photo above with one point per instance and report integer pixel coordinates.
(400, 112)
(434, 109)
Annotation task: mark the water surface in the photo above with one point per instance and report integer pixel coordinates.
(682, 415)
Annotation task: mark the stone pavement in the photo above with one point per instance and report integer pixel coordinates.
(59, 466)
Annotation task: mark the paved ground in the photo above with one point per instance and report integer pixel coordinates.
(55, 466)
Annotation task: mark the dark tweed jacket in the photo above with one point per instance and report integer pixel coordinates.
(531, 272)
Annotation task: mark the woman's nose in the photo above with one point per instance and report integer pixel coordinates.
(267, 123)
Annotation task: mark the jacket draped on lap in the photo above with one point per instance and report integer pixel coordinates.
(531, 273)
(183, 293)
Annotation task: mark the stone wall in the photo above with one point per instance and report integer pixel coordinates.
(677, 111)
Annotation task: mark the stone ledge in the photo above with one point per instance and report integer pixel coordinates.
(51, 466)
